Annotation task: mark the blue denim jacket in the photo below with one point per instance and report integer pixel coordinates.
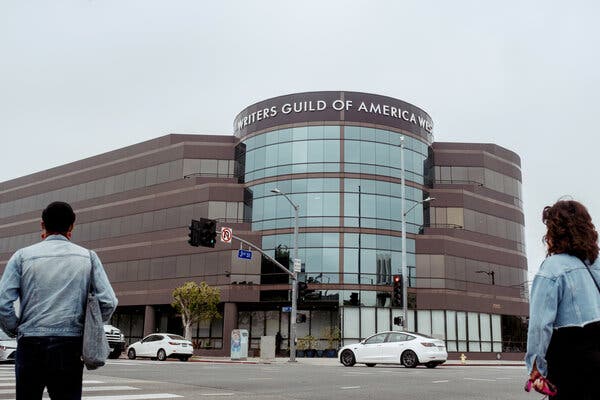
(563, 294)
(50, 279)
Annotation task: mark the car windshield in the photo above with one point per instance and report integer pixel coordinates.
(176, 337)
(4, 336)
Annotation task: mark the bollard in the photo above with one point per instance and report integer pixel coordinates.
(463, 358)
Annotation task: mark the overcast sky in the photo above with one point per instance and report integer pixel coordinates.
(79, 78)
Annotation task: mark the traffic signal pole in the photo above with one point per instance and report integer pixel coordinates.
(294, 277)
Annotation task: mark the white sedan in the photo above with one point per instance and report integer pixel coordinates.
(407, 348)
(161, 346)
(8, 347)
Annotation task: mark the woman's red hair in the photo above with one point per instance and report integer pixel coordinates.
(570, 230)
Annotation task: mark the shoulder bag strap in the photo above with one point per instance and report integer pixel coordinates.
(592, 275)
(92, 273)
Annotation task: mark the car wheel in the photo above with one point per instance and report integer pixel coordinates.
(431, 364)
(370, 365)
(347, 358)
(114, 354)
(409, 359)
(131, 354)
(161, 355)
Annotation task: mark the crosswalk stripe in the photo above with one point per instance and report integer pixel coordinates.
(133, 397)
(85, 389)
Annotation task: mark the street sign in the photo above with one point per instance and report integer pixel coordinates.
(297, 265)
(226, 234)
(286, 309)
(247, 254)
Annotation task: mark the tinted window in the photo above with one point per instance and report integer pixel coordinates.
(376, 339)
(397, 337)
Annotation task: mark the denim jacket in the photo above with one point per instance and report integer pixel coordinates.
(50, 279)
(563, 294)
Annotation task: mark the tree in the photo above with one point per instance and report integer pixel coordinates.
(196, 303)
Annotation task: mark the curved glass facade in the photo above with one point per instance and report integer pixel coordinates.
(365, 194)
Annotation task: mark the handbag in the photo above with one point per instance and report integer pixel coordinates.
(95, 347)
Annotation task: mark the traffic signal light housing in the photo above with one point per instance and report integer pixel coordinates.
(203, 232)
(208, 232)
(397, 291)
(194, 234)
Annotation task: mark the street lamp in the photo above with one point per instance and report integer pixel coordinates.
(294, 277)
(404, 213)
(490, 273)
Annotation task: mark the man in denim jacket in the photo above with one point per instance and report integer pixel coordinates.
(50, 279)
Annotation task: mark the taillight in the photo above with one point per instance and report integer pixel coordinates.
(2, 348)
(428, 344)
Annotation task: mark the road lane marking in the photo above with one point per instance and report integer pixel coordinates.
(133, 397)
(216, 394)
(444, 381)
(480, 379)
(107, 388)
(349, 387)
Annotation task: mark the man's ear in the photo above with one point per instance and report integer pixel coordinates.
(43, 234)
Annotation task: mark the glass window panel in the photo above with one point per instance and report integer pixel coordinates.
(367, 322)
(315, 132)
(450, 325)
(299, 152)
(330, 261)
(352, 132)
(438, 324)
(316, 151)
(473, 324)
(461, 322)
(332, 150)
(424, 321)
(383, 319)
(351, 322)
(486, 330)
(496, 329)
(300, 133)
(331, 132)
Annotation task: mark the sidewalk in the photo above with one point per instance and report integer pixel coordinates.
(335, 361)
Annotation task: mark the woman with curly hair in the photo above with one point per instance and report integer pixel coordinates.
(563, 341)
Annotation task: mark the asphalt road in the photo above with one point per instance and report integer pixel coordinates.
(146, 379)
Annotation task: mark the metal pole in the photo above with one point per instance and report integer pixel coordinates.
(403, 205)
(294, 276)
(294, 290)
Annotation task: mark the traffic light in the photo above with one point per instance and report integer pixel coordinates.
(302, 288)
(354, 300)
(194, 234)
(398, 291)
(208, 232)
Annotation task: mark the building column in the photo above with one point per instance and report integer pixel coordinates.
(230, 319)
(149, 320)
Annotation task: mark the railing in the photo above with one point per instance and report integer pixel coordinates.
(439, 226)
(456, 182)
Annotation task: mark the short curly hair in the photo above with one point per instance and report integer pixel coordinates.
(570, 230)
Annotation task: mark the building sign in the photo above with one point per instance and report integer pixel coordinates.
(333, 106)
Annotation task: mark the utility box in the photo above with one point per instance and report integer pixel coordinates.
(267, 347)
(239, 344)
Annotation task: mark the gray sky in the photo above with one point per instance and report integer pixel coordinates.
(79, 78)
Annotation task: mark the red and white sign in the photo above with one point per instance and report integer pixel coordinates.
(226, 235)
